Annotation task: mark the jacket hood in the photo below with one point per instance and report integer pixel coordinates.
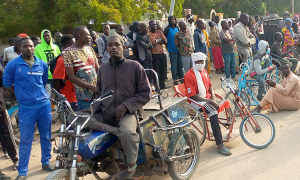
(169, 19)
(134, 26)
(262, 45)
(43, 42)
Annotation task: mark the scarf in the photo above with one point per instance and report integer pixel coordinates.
(289, 27)
(196, 57)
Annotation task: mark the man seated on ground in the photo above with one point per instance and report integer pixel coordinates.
(260, 66)
(115, 114)
(199, 88)
(276, 52)
(285, 96)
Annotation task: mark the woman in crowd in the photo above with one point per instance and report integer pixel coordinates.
(216, 48)
(288, 34)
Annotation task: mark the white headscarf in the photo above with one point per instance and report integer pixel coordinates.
(196, 57)
(262, 45)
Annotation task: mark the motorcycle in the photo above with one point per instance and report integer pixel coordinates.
(168, 144)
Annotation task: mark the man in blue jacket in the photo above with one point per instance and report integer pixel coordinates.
(199, 38)
(175, 57)
(27, 76)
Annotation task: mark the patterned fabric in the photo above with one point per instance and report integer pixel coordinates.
(183, 43)
(287, 40)
(83, 61)
(236, 55)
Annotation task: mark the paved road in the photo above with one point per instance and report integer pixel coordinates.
(279, 161)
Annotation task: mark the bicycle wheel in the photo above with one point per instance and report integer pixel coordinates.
(178, 146)
(274, 77)
(199, 125)
(14, 118)
(227, 81)
(257, 132)
(244, 97)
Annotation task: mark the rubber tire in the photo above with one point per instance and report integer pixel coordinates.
(249, 143)
(244, 94)
(60, 173)
(171, 168)
(201, 141)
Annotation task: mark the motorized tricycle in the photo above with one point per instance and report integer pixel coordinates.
(167, 144)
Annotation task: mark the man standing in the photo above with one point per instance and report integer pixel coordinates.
(134, 29)
(57, 39)
(217, 21)
(200, 41)
(81, 67)
(61, 82)
(116, 114)
(36, 40)
(285, 96)
(144, 46)
(281, 23)
(101, 43)
(243, 38)
(27, 76)
(199, 88)
(190, 26)
(227, 50)
(128, 54)
(46, 51)
(157, 39)
(12, 52)
(276, 53)
(183, 44)
(175, 57)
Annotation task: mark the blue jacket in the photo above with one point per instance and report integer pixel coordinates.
(200, 41)
(29, 83)
(170, 32)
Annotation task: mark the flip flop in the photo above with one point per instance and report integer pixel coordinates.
(225, 153)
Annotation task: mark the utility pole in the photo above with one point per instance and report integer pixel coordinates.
(293, 8)
(172, 7)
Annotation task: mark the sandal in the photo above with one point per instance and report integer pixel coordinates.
(225, 153)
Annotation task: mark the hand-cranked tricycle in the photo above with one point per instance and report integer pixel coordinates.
(256, 130)
(168, 145)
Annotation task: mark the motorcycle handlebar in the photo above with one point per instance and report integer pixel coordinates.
(107, 94)
(59, 96)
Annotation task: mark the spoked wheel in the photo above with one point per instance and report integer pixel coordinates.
(199, 125)
(273, 76)
(184, 169)
(257, 132)
(60, 174)
(14, 118)
(230, 82)
(244, 97)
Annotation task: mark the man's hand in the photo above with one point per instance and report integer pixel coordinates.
(271, 83)
(216, 105)
(120, 111)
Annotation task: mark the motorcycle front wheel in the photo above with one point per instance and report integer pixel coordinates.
(184, 169)
(60, 174)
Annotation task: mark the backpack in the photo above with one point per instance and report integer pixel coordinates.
(52, 63)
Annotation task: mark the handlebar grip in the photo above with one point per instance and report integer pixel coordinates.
(107, 94)
(59, 96)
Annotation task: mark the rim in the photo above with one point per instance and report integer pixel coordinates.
(252, 133)
(185, 167)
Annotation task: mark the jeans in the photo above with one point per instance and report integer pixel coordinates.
(187, 63)
(83, 104)
(74, 106)
(159, 66)
(261, 81)
(176, 65)
(229, 62)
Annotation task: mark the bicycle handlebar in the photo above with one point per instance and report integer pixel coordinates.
(59, 96)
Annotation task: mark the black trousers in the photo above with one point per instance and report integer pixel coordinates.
(147, 64)
(6, 140)
(213, 116)
(160, 65)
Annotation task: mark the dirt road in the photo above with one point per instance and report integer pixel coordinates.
(279, 161)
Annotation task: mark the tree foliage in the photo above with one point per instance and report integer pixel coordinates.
(32, 16)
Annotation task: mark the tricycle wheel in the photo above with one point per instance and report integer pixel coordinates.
(60, 174)
(199, 124)
(244, 97)
(257, 132)
(184, 169)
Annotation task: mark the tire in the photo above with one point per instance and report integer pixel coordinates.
(60, 174)
(14, 118)
(177, 141)
(244, 97)
(266, 126)
(199, 125)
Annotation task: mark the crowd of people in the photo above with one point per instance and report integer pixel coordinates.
(83, 66)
